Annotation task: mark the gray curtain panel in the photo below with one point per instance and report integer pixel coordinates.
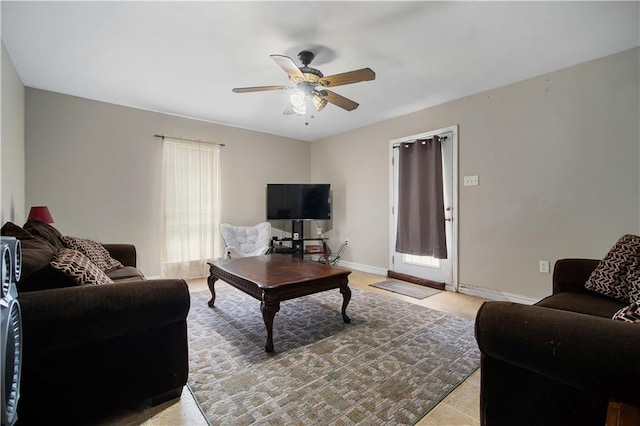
(421, 226)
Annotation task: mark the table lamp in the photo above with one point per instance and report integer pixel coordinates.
(40, 213)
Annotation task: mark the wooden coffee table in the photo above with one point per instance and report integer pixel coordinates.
(277, 277)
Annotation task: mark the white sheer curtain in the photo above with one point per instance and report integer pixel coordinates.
(190, 207)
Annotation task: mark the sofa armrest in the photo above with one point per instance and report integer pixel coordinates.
(124, 253)
(593, 354)
(572, 274)
(102, 348)
(66, 317)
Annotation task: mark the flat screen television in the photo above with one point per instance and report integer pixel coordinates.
(298, 201)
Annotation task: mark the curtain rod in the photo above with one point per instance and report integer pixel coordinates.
(185, 139)
(444, 138)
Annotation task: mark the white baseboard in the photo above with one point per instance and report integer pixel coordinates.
(487, 293)
(363, 268)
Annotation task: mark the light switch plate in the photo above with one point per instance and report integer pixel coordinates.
(544, 266)
(471, 181)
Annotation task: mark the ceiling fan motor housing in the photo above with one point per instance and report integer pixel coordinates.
(306, 57)
(311, 74)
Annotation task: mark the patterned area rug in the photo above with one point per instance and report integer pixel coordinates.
(391, 365)
(408, 289)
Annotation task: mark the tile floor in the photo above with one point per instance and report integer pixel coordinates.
(460, 408)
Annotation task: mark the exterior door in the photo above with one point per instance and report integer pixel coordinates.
(440, 270)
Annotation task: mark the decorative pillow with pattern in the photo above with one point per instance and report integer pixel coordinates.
(611, 276)
(77, 266)
(629, 313)
(94, 251)
(633, 282)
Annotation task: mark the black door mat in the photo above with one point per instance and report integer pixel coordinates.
(408, 289)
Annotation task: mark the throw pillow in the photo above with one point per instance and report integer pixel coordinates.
(79, 267)
(633, 281)
(629, 313)
(37, 273)
(94, 251)
(611, 276)
(36, 252)
(45, 231)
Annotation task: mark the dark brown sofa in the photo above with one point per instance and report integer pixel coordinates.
(93, 350)
(560, 361)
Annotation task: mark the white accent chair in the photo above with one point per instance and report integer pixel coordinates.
(246, 241)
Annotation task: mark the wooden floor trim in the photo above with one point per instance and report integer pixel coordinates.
(416, 280)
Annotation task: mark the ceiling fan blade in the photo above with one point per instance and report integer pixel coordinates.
(364, 74)
(259, 89)
(290, 67)
(338, 100)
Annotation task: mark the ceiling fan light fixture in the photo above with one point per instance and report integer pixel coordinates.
(298, 99)
(300, 110)
(319, 101)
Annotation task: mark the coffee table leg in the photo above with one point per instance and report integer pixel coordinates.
(211, 280)
(346, 296)
(268, 313)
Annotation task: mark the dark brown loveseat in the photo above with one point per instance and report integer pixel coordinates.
(560, 361)
(92, 350)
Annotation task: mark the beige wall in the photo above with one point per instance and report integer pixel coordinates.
(558, 161)
(558, 158)
(97, 166)
(12, 151)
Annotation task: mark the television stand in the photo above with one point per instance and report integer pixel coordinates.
(284, 250)
(297, 242)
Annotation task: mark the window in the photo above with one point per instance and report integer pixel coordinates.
(190, 207)
(427, 261)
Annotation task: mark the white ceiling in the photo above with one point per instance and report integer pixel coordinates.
(184, 58)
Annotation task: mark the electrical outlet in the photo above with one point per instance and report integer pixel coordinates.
(544, 266)
(347, 241)
(471, 180)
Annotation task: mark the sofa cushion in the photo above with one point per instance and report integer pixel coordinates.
(611, 276)
(94, 251)
(128, 273)
(46, 278)
(590, 304)
(45, 231)
(629, 313)
(79, 267)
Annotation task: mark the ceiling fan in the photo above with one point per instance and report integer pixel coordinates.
(310, 83)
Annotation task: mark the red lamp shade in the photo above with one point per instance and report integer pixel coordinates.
(40, 213)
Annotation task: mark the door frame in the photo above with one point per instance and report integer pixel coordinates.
(453, 131)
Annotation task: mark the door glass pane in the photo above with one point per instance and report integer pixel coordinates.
(427, 261)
